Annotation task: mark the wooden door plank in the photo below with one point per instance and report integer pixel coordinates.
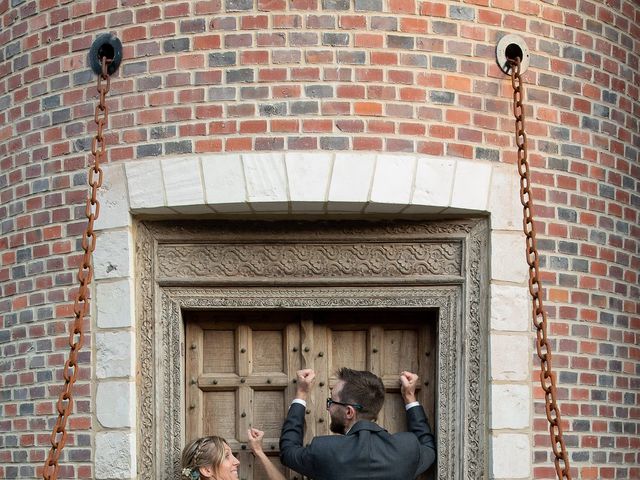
(428, 372)
(322, 379)
(308, 361)
(376, 357)
(193, 367)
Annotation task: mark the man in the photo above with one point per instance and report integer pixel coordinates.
(363, 450)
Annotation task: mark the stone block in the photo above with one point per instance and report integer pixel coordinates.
(433, 184)
(114, 355)
(392, 182)
(115, 455)
(510, 406)
(182, 181)
(113, 304)
(510, 308)
(224, 183)
(145, 187)
(266, 182)
(510, 358)
(112, 259)
(115, 404)
(114, 202)
(351, 182)
(504, 199)
(511, 456)
(471, 182)
(308, 176)
(508, 261)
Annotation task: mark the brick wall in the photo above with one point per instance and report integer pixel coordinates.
(335, 75)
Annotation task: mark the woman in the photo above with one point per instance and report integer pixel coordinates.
(212, 458)
(209, 457)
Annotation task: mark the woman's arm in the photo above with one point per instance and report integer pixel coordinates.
(255, 443)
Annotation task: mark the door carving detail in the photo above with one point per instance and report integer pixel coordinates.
(445, 272)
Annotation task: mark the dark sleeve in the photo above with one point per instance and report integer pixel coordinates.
(292, 453)
(418, 425)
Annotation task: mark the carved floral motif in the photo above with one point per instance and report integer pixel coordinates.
(309, 260)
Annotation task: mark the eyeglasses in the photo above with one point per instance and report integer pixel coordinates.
(330, 402)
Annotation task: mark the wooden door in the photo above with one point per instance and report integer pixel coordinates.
(240, 368)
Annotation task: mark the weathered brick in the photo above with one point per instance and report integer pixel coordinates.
(334, 143)
(442, 97)
(218, 59)
(273, 109)
(444, 63)
(462, 13)
(243, 75)
(238, 5)
(335, 39)
(176, 45)
(303, 107)
(368, 5)
(318, 91)
(397, 41)
(183, 146)
(383, 23)
(150, 150)
(336, 4)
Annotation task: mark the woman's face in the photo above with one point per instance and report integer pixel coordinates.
(228, 469)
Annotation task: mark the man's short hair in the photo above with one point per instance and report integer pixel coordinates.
(364, 388)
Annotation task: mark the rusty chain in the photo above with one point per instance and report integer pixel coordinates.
(85, 275)
(547, 376)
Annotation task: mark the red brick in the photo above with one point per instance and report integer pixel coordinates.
(209, 145)
(367, 108)
(258, 22)
(367, 143)
(206, 42)
(254, 57)
(413, 25)
(368, 40)
(284, 126)
(350, 91)
(253, 126)
(272, 5)
(433, 9)
(237, 144)
(384, 58)
(317, 126)
(223, 127)
(352, 22)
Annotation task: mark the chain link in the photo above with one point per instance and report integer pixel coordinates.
(547, 377)
(85, 275)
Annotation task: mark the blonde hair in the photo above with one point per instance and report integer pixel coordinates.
(202, 452)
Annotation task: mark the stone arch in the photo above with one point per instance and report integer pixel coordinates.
(307, 185)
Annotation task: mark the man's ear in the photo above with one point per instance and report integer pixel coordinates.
(351, 412)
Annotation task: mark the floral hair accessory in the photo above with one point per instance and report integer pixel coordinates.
(191, 473)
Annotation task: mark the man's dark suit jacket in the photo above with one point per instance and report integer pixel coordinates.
(367, 451)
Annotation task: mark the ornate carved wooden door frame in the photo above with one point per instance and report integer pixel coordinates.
(314, 265)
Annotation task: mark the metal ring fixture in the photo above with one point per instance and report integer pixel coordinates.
(509, 47)
(105, 45)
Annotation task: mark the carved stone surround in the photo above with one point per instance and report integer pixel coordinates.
(311, 265)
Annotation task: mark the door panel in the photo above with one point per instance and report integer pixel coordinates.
(240, 368)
